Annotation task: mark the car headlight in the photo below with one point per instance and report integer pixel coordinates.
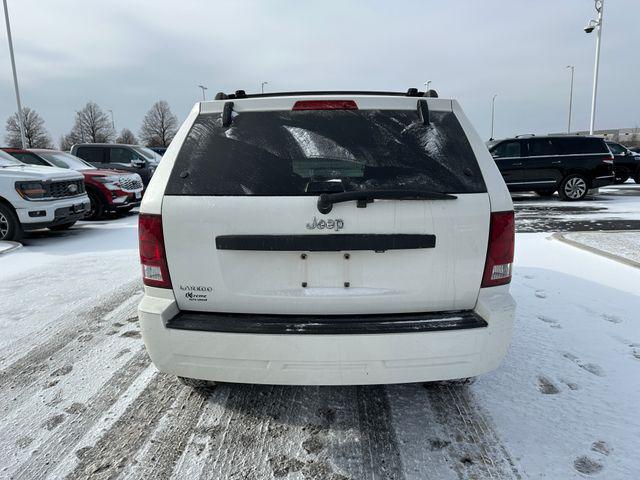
(31, 190)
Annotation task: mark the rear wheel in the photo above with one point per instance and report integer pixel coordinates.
(10, 228)
(202, 386)
(545, 193)
(64, 226)
(573, 187)
(97, 210)
(636, 177)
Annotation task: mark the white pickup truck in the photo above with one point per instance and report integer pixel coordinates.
(33, 197)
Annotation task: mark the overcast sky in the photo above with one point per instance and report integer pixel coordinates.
(125, 55)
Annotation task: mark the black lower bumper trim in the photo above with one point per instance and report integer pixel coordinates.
(326, 324)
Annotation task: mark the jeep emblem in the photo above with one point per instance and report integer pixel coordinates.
(330, 224)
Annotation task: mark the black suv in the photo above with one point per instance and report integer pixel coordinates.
(132, 158)
(625, 163)
(570, 165)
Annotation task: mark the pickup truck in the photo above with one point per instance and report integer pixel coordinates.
(34, 197)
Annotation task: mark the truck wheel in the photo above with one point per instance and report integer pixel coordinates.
(10, 228)
(573, 187)
(64, 226)
(97, 210)
(202, 386)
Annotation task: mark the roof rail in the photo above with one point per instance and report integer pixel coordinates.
(412, 92)
(526, 135)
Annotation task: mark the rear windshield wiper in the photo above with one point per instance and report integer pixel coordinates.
(326, 200)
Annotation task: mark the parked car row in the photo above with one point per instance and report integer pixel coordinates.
(53, 189)
(570, 165)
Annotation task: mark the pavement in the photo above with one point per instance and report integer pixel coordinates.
(613, 208)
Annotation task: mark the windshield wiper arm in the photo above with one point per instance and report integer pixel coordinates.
(326, 200)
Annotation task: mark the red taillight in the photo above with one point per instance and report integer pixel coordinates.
(497, 269)
(325, 105)
(152, 254)
(608, 160)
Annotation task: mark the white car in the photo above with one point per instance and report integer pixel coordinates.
(326, 239)
(33, 197)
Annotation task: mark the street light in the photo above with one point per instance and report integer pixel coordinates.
(493, 109)
(15, 75)
(203, 89)
(113, 125)
(426, 85)
(572, 67)
(262, 86)
(591, 26)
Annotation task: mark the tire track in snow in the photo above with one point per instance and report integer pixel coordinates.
(473, 445)
(117, 447)
(22, 378)
(71, 432)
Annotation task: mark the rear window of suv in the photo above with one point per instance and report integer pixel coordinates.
(280, 153)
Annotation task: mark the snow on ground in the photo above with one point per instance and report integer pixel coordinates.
(80, 399)
(622, 244)
(566, 398)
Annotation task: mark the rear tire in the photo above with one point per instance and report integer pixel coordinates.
(573, 187)
(97, 209)
(10, 228)
(622, 175)
(64, 226)
(636, 177)
(545, 193)
(202, 386)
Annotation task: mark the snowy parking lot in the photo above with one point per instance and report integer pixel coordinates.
(80, 398)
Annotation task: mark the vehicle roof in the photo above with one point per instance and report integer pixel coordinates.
(14, 150)
(107, 145)
(547, 136)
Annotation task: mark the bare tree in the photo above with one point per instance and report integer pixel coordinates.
(35, 133)
(92, 125)
(68, 140)
(159, 125)
(127, 137)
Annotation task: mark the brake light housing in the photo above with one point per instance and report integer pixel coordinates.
(325, 105)
(499, 263)
(153, 257)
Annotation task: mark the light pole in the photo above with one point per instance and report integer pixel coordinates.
(572, 67)
(493, 110)
(426, 85)
(113, 125)
(591, 26)
(15, 75)
(262, 86)
(203, 89)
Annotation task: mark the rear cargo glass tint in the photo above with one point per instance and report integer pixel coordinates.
(281, 153)
(575, 146)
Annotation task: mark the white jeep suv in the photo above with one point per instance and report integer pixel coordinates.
(325, 238)
(34, 197)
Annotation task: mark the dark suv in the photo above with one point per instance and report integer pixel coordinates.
(570, 165)
(625, 163)
(132, 158)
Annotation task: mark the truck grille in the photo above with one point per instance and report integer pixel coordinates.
(66, 188)
(130, 183)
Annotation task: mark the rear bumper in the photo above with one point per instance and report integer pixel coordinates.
(327, 359)
(602, 181)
